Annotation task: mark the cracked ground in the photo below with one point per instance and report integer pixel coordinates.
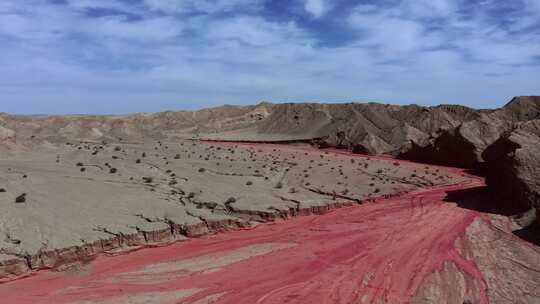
(87, 198)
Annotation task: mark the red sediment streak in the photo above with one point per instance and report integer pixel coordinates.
(381, 250)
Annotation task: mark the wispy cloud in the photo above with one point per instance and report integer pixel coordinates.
(150, 55)
(317, 8)
(205, 6)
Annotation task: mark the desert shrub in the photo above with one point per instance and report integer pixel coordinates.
(113, 170)
(21, 198)
(201, 170)
(79, 164)
(147, 179)
(279, 185)
(249, 183)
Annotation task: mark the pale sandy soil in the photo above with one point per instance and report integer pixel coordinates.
(420, 247)
(195, 188)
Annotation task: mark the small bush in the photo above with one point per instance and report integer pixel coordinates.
(279, 185)
(21, 198)
(201, 170)
(113, 170)
(249, 183)
(147, 179)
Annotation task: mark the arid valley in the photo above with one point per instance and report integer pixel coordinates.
(269, 152)
(274, 203)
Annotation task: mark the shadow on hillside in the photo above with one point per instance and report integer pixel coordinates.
(530, 234)
(482, 200)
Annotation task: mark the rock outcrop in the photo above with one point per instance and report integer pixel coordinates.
(463, 145)
(514, 166)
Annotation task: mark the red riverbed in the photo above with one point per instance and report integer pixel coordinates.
(377, 251)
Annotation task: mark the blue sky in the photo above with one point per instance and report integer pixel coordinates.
(121, 56)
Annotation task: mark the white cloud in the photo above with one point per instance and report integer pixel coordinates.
(533, 6)
(428, 8)
(392, 36)
(252, 30)
(103, 4)
(147, 29)
(206, 6)
(365, 8)
(317, 8)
